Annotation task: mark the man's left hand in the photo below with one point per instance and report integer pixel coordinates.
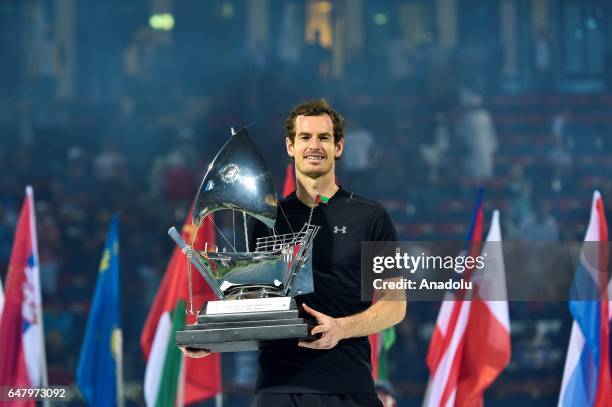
(330, 329)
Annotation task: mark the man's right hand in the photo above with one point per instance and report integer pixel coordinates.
(194, 353)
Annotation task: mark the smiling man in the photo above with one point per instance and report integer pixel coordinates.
(335, 369)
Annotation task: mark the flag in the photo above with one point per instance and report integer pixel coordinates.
(486, 348)
(171, 379)
(289, 185)
(381, 344)
(22, 359)
(470, 345)
(586, 377)
(99, 370)
(445, 345)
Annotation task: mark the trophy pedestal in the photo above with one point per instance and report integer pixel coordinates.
(244, 325)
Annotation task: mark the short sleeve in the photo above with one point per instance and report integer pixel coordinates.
(382, 227)
(383, 230)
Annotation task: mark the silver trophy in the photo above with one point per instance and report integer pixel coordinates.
(255, 289)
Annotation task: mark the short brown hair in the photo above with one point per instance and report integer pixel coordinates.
(316, 107)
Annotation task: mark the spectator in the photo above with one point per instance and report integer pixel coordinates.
(109, 165)
(398, 57)
(434, 154)
(541, 225)
(478, 133)
(542, 61)
(357, 156)
(560, 153)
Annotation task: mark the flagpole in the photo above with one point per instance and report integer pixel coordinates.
(39, 310)
(118, 331)
(426, 396)
(219, 396)
(1, 298)
(180, 388)
(119, 370)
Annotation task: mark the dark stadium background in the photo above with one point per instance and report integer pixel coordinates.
(103, 113)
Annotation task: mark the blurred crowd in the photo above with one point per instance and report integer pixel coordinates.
(426, 127)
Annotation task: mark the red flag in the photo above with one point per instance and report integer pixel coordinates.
(486, 351)
(22, 356)
(289, 185)
(374, 343)
(470, 345)
(604, 380)
(167, 372)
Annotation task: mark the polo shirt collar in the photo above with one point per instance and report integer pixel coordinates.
(292, 199)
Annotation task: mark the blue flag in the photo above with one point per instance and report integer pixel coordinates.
(99, 367)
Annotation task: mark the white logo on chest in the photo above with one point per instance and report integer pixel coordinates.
(340, 230)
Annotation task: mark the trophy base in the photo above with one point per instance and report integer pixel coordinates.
(232, 331)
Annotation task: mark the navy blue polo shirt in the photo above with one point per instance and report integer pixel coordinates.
(345, 221)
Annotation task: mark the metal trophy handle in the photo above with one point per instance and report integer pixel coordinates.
(191, 256)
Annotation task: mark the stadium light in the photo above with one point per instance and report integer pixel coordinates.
(380, 19)
(162, 22)
(227, 10)
(324, 7)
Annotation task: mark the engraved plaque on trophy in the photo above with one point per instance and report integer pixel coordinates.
(255, 288)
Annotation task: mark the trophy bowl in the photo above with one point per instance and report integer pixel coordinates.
(255, 290)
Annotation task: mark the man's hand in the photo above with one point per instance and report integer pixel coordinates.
(329, 328)
(194, 353)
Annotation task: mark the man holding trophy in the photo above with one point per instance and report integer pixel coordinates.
(332, 367)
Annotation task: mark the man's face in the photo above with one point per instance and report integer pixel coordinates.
(313, 148)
